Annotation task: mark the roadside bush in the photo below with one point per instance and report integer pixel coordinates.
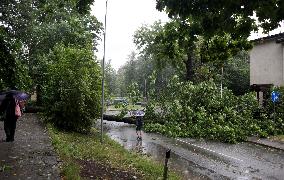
(188, 110)
(123, 111)
(72, 88)
(133, 93)
(273, 125)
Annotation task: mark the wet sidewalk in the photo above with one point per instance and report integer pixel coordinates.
(31, 155)
(267, 142)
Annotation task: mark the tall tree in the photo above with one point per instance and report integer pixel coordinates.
(223, 27)
(38, 25)
(56, 40)
(7, 62)
(236, 17)
(130, 69)
(110, 78)
(152, 63)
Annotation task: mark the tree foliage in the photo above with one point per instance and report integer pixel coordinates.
(177, 44)
(144, 71)
(236, 74)
(72, 90)
(198, 111)
(13, 70)
(37, 26)
(148, 40)
(234, 17)
(110, 79)
(51, 43)
(209, 31)
(134, 93)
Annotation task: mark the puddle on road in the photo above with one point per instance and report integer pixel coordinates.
(150, 146)
(201, 160)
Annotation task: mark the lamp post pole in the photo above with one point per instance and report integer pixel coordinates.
(222, 75)
(103, 76)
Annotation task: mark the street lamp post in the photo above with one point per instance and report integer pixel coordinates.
(103, 76)
(222, 75)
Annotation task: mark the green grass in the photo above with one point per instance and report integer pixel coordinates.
(71, 170)
(72, 146)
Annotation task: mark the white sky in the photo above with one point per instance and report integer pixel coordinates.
(124, 18)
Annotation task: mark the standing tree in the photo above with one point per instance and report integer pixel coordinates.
(127, 74)
(54, 40)
(35, 27)
(152, 58)
(110, 78)
(133, 93)
(234, 17)
(223, 27)
(72, 88)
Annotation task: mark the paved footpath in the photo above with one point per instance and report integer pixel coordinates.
(31, 155)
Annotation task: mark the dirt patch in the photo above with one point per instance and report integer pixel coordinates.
(97, 170)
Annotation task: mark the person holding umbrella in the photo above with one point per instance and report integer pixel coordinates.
(10, 107)
(139, 123)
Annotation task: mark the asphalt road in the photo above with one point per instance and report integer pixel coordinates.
(199, 159)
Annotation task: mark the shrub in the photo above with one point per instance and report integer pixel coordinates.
(72, 88)
(273, 125)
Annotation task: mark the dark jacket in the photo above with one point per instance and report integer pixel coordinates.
(8, 107)
(139, 121)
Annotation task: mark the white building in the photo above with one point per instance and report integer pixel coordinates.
(267, 64)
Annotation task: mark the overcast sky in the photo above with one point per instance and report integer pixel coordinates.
(123, 18)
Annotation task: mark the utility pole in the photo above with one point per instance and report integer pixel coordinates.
(222, 75)
(145, 82)
(103, 77)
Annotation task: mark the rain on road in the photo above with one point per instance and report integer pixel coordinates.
(199, 159)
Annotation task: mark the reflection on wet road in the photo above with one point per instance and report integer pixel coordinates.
(198, 159)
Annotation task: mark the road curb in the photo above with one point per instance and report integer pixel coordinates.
(267, 143)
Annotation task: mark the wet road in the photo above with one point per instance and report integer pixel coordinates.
(197, 159)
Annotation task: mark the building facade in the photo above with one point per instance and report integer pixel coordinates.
(267, 64)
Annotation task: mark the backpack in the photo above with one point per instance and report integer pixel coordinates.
(18, 112)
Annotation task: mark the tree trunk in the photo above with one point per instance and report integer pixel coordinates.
(38, 95)
(189, 66)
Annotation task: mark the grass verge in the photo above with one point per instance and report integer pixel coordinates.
(278, 138)
(74, 146)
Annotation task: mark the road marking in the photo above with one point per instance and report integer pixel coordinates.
(209, 150)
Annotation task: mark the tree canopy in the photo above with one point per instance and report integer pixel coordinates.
(50, 44)
(232, 16)
(206, 31)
